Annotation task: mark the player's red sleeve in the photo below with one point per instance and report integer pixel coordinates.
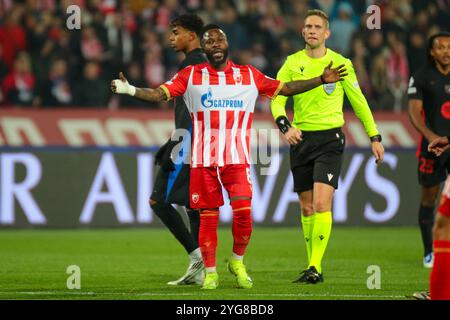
(444, 207)
(176, 86)
(266, 85)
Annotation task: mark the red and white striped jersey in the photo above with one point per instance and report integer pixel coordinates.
(221, 104)
(446, 189)
(444, 206)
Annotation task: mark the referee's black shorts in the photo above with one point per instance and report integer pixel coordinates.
(318, 158)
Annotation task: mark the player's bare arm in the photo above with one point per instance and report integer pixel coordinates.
(415, 114)
(439, 145)
(121, 86)
(329, 75)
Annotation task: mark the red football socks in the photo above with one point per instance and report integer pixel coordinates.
(440, 275)
(242, 225)
(207, 238)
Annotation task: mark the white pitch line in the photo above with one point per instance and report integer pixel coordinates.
(12, 293)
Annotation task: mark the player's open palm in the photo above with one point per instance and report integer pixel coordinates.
(331, 75)
(378, 151)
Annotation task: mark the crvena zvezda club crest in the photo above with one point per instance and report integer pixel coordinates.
(195, 197)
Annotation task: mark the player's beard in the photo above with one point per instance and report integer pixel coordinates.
(213, 61)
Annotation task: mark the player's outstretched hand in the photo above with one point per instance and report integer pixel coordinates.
(331, 75)
(293, 136)
(439, 145)
(122, 86)
(378, 151)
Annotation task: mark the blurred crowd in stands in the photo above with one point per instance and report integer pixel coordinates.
(43, 64)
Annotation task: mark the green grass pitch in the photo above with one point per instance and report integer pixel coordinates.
(137, 263)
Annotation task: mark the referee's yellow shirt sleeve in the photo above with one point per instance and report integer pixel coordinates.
(278, 105)
(358, 101)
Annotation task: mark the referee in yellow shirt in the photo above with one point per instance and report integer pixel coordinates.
(315, 135)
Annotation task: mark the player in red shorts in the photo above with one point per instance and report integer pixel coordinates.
(440, 274)
(221, 96)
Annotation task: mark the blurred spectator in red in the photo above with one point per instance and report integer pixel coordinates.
(56, 90)
(91, 46)
(165, 13)
(91, 90)
(12, 35)
(107, 6)
(3, 67)
(19, 85)
(397, 70)
(150, 42)
(154, 69)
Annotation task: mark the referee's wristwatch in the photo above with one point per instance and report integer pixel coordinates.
(376, 138)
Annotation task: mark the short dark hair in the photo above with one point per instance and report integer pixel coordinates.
(430, 44)
(189, 21)
(209, 27)
(320, 13)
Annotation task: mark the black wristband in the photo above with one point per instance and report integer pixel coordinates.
(322, 79)
(376, 138)
(283, 124)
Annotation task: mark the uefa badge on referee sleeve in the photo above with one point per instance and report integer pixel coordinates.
(329, 87)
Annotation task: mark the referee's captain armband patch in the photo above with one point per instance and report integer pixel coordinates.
(329, 87)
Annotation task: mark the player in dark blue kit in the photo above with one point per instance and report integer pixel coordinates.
(429, 110)
(172, 181)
